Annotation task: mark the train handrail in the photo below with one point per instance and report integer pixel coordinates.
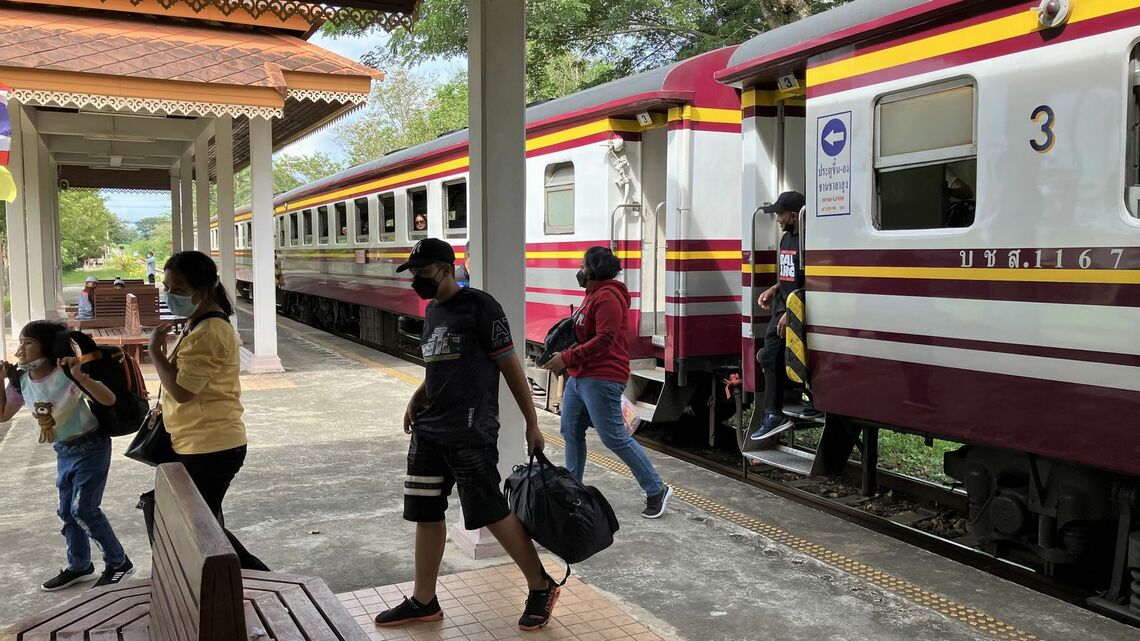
(752, 268)
(613, 222)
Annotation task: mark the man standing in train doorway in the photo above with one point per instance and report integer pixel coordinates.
(453, 418)
(789, 278)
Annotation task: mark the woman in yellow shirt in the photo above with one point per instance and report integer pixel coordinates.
(201, 391)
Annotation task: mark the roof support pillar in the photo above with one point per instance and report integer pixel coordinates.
(186, 171)
(175, 210)
(54, 239)
(224, 162)
(34, 170)
(17, 227)
(202, 190)
(264, 357)
(497, 223)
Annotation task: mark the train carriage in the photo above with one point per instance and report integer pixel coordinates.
(646, 165)
(972, 250)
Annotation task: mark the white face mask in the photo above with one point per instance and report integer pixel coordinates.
(32, 366)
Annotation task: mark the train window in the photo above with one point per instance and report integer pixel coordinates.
(341, 225)
(926, 175)
(417, 213)
(280, 231)
(388, 213)
(237, 236)
(363, 219)
(455, 204)
(249, 234)
(307, 226)
(1132, 171)
(560, 198)
(294, 232)
(213, 239)
(322, 225)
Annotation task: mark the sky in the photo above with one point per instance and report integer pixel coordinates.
(134, 206)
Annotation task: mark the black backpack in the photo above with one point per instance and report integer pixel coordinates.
(571, 520)
(114, 368)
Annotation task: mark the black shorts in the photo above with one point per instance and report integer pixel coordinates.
(434, 467)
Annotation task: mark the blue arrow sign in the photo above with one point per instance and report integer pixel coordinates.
(834, 137)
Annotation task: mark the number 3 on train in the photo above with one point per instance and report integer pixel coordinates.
(1044, 147)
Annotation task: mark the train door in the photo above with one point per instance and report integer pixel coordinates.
(654, 174)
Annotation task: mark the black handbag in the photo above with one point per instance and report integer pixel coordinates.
(151, 444)
(561, 337)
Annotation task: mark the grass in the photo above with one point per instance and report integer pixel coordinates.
(903, 453)
(78, 276)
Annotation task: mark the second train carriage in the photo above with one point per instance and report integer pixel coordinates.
(646, 165)
(972, 247)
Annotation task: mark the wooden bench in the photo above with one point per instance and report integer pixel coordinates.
(197, 591)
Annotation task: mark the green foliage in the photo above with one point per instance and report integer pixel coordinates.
(157, 241)
(128, 265)
(289, 172)
(404, 110)
(626, 36)
(145, 227)
(86, 225)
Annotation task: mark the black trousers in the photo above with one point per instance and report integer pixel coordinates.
(212, 474)
(771, 358)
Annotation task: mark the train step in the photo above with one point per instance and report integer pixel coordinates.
(796, 411)
(656, 395)
(784, 458)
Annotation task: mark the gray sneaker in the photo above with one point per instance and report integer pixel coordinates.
(655, 505)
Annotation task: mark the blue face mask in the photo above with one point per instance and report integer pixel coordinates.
(182, 305)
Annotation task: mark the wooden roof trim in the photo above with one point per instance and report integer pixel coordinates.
(295, 23)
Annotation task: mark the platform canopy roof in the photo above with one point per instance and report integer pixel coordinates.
(118, 88)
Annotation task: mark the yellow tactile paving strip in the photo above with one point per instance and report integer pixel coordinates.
(485, 604)
(905, 589)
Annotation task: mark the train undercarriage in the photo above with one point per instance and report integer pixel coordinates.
(1076, 524)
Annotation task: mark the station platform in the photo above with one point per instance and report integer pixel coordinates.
(321, 495)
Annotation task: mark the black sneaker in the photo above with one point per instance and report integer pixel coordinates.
(809, 410)
(410, 611)
(539, 606)
(655, 505)
(773, 424)
(67, 578)
(115, 574)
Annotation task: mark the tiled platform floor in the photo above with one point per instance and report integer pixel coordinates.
(485, 604)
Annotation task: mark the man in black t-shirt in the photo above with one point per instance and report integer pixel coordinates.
(453, 418)
(789, 278)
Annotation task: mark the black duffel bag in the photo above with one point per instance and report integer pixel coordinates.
(569, 519)
(559, 338)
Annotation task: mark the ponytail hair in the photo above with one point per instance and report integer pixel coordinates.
(201, 273)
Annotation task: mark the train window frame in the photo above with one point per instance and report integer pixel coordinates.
(294, 232)
(340, 210)
(322, 217)
(448, 230)
(955, 161)
(237, 236)
(307, 236)
(1131, 192)
(552, 184)
(214, 239)
(358, 204)
(279, 232)
(387, 206)
(409, 198)
(248, 234)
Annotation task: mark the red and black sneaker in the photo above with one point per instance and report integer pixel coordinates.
(540, 605)
(410, 611)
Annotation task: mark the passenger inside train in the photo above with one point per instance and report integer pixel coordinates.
(790, 277)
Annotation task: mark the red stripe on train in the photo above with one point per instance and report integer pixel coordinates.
(1113, 295)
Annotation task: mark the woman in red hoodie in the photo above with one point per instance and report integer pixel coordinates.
(598, 368)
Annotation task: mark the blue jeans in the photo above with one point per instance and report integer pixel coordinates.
(590, 401)
(82, 466)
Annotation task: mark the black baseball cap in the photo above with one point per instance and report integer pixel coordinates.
(428, 251)
(788, 201)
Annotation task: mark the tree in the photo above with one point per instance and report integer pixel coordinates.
(404, 110)
(146, 226)
(626, 36)
(86, 225)
(289, 172)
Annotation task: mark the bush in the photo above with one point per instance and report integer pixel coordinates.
(128, 266)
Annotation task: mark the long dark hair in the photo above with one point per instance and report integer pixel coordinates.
(200, 272)
(601, 263)
(53, 337)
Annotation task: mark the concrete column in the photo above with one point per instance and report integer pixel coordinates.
(17, 228)
(497, 215)
(186, 170)
(48, 240)
(33, 208)
(202, 190)
(224, 161)
(264, 358)
(55, 246)
(175, 209)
